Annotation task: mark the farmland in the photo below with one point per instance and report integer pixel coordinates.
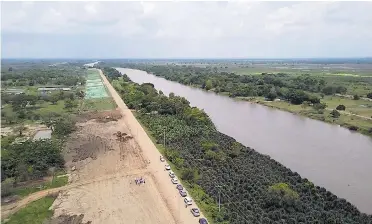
(253, 187)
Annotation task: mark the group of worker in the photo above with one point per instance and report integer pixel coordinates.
(140, 181)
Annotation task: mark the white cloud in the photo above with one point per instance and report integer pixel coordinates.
(228, 28)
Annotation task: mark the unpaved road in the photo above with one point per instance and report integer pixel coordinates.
(166, 188)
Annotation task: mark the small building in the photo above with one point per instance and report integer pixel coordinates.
(14, 91)
(53, 89)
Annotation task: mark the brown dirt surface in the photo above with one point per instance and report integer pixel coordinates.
(103, 178)
(103, 116)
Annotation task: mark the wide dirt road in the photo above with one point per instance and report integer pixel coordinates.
(168, 191)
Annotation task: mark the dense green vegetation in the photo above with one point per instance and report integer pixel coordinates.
(254, 188)
(22, 101)
(30, 159)
(26, 161)
(49, 76)
(35, 212)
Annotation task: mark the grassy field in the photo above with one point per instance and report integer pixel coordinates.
(251, 70)
(344, 120)
(98, 104)
(360, 107)
(35, 213)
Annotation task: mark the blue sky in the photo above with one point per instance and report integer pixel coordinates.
(185, 29)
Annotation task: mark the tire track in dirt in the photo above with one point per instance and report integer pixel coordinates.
(14, 207)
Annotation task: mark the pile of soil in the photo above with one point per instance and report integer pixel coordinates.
(104, 116)
(67, 219)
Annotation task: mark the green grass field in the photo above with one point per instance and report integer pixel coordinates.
(57, 182)
(252, 70)
(35, 213)
(98, 104)
(344, 120)
(360, 107)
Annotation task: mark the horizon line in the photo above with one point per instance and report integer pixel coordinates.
(186, 58)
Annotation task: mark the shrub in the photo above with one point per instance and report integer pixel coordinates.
(335, 114)
(340, 107)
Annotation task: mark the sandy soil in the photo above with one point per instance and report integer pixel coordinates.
(103, 170)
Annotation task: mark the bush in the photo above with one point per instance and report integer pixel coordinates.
(369, 95)
(320, 106)
(356, 97)
(353, 128)
(63, 127)
(335, 114)
(7, 187)
(340, 107)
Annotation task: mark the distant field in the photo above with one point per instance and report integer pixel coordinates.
(352, 106)
(360, 107)
(295, 71)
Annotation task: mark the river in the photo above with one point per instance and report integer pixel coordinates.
(328, 155)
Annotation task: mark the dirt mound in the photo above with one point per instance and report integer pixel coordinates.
(103, 116)
(90, 147)
(67, 219)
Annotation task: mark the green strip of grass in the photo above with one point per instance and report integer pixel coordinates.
(98, 104)
(35, 213)
(57, 182)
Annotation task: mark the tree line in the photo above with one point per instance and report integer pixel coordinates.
(42, 76)
(295, 89)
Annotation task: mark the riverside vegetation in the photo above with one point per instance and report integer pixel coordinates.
(309, 95)
(253, 188)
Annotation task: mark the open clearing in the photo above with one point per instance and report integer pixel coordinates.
(108, 167)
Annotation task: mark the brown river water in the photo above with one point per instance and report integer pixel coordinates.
(328, 155)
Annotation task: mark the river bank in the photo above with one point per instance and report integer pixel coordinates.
(352, 122)
(346, 120)
(326, 154)
(207, 159)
